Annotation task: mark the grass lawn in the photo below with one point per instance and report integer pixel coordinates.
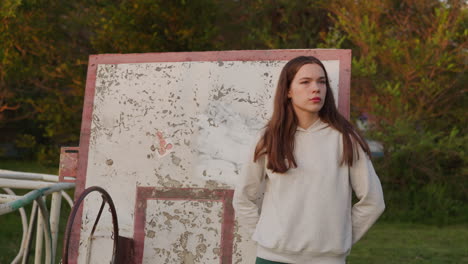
(27, 166)
(392, 243)
(395, 243)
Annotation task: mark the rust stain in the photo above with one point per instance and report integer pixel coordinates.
(237, 240)
(201, 248)
(185, 221)
(151, 234)
(212, 229)
(188, 258)
(152, 223)
(169, 218)
(201, 238)
(176, 160)
(211, 184)
(167, 181)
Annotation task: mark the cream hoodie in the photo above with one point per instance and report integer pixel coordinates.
(306, 215)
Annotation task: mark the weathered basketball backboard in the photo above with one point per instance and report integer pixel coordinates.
(165, 134)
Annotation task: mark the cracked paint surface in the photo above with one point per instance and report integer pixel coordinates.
(176, 125)
(198, 225)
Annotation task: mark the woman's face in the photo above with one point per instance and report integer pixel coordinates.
(308, 90)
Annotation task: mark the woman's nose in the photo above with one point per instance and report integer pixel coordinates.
(314, 88)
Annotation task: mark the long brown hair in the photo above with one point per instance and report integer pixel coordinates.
(278, 140)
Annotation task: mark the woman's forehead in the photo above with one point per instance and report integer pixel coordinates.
(310, 71)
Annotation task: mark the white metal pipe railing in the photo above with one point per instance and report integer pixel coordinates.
(24, 223)
(47, 224)
(29, 235)
(55, 218)
(7, 174)
(39, 237)
(49, 256)
(33, 195)
(67, 197)
(6, 198)
(24, 184)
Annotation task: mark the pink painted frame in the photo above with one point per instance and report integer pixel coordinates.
(191, 194)
(344, 56)
(68, 163)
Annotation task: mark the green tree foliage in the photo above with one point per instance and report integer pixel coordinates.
(409, 73)
(45, 44)
(155, 26)
(281, 24)
(43, 63)
(7, 10)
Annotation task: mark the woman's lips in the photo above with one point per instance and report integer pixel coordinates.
(315, 99)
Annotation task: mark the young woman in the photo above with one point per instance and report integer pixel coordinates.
(311, 158)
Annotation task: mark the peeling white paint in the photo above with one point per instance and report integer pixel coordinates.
(176, 124)
(184, 229)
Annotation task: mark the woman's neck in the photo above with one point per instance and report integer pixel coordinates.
(306, 119)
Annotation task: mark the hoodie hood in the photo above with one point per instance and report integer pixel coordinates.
(317, 125)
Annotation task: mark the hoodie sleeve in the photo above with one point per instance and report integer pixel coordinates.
(368, 190)
(247, 190)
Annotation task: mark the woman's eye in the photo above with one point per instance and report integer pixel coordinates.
(322, 82)
(305, 82)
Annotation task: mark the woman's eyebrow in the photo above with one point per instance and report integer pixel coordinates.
(310, 78)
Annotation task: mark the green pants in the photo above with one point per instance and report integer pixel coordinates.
(264, 261)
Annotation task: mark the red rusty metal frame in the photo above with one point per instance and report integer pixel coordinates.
(344, 56)
(190, 194)
(68, 163)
